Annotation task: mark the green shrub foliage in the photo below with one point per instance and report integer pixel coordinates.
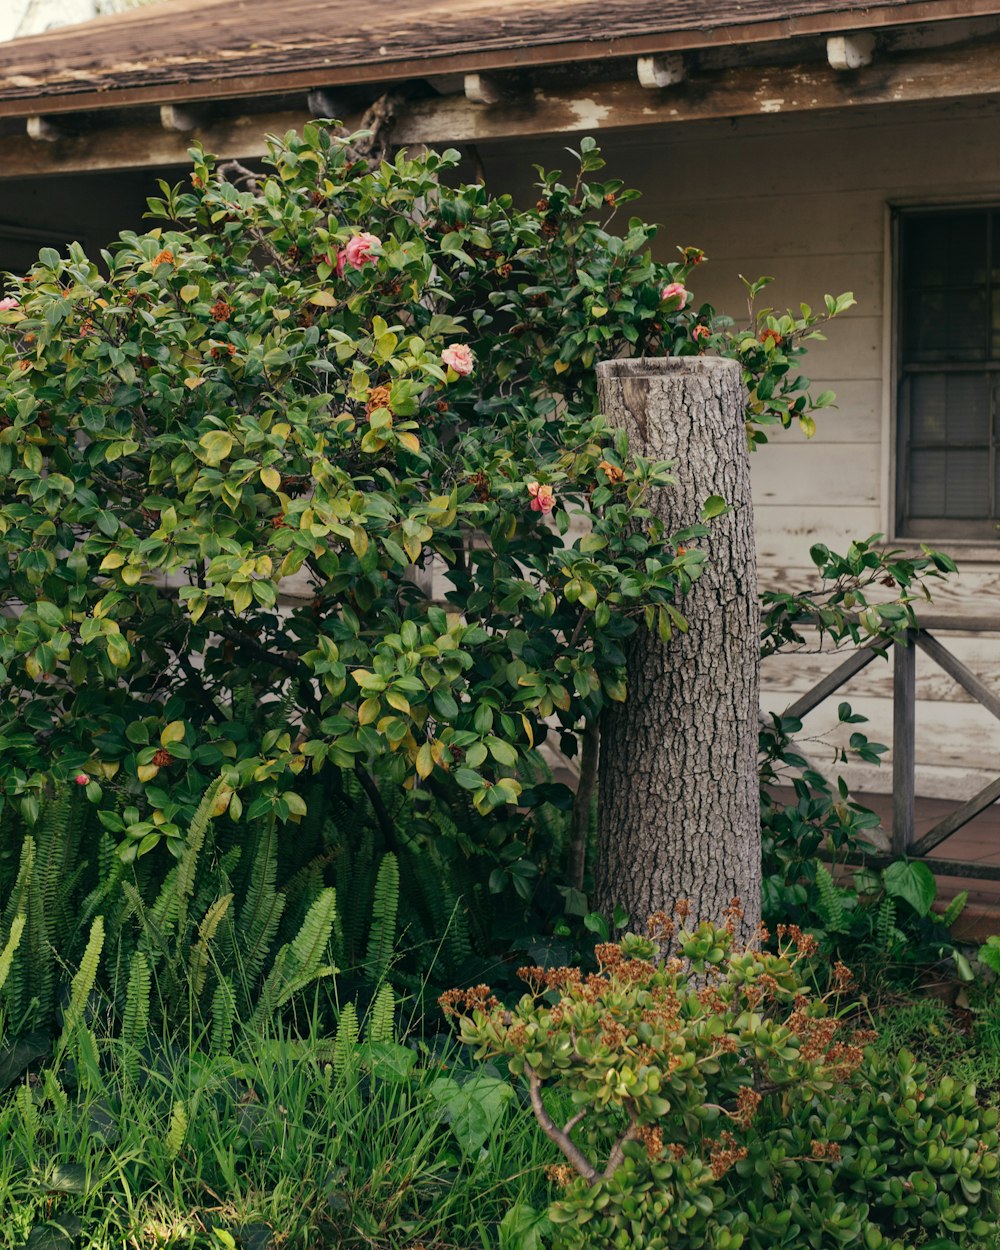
(706, 1098)
(339, 375)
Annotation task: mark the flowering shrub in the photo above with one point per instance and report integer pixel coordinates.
(342, 376)
(709, 1099)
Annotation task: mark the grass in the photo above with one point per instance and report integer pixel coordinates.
(273, 1147)
(964, 1045)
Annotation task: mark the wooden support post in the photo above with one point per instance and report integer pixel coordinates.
(678, 810)
(904, 694)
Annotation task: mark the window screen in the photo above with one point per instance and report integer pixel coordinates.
(949, 419)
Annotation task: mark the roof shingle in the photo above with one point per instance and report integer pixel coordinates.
(190, 49)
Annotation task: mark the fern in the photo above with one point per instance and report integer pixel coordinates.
(385, 905)
(300, 962)
(206, 933)
(223, 1017)
(885, 925)
(382, 1016)
(829, 903)
(193, 844)
(257, 921)
(346, 1041)
(13, 941)
(7, 958)
(954, 909)
(83, 982)
(135, 1020)
(177, 1131)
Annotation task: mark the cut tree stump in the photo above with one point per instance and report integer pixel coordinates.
(679, 811)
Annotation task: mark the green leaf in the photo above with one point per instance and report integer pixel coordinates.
(913, 882)
(468, 779)
(714, 506)
(215, 446)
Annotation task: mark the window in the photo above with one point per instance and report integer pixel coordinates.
(949, 384)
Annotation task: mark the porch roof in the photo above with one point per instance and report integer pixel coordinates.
(189, 50)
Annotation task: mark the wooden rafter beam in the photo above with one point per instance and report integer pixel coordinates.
(738, 91)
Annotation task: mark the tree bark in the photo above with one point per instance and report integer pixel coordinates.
(679, 810)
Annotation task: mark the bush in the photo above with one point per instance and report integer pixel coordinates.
(341, 374)
(706, 1098)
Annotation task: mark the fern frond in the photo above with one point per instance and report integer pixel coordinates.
(885, 925)
(13, 941)
(382, 1016)
(829, 904)
(177, 1131)
(193, 843)
(223, 1016)
(300, 962)
(257, 920)
(135, 1019)
(83, 982)
(206, 933)
(346, 1040)
(954, 909)
(385, 905)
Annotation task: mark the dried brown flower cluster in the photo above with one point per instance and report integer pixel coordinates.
(378, 397)
(478, 998)
(660, 926)
(725, 1154)
(221, 310)
(560, 1174)
(804, 943)
(747, 1102)
(652, 1138)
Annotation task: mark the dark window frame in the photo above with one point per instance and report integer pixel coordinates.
(906, 369)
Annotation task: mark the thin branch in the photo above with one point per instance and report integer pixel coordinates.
(375, 798)
(573, 1121)
(617, 1154)
(201, 691)
(552, 1130)
(583, 803)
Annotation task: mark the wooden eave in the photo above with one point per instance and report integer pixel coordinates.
(143, 58)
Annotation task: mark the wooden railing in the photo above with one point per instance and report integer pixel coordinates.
(904, 671)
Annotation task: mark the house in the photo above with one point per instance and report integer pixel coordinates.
(831, 144)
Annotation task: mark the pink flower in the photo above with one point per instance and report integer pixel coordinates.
(358, 251)
(700, 332)
(460, 358)
(8, 303)
(337, 260)
(676, 290)
(82, 779)
(543, 498)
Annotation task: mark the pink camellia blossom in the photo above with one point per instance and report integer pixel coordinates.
(336, 260)
(358, 251)
(543, 498)
(82, 779)
(460, 358)
(675, 290)
(8, 303)
(700, 332)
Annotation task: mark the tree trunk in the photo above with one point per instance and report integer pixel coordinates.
(679, 810)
